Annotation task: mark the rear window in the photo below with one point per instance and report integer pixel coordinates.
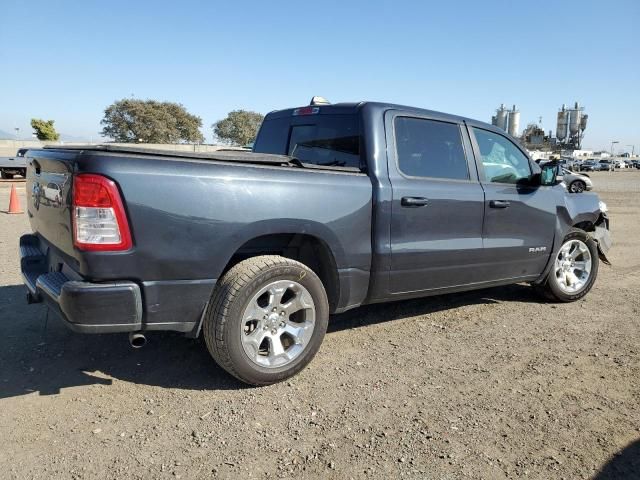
(328, 140)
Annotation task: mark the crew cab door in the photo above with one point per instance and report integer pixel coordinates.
(519, 215)
(437, 204)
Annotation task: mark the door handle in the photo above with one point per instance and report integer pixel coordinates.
(414, 201)
(499, 203)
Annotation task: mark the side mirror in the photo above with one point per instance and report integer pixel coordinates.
(550, 173)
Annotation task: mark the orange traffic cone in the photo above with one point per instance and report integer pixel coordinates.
(14, 202)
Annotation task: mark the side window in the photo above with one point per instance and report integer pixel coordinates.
(503, 162)
(428, 148)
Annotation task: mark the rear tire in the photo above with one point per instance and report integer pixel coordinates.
(574, 269)
(266, 319)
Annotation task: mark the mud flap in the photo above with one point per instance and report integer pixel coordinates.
(602, 236)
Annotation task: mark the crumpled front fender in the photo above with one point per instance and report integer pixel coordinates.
(580, 210)
(602, 236)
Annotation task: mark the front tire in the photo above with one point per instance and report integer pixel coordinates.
(574, 270)
(577, 186)
(266, 319)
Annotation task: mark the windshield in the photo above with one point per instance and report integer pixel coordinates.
(327, 140)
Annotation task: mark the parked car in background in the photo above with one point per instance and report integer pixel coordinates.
(605, 166)
(10, 166)
(620, 164)
(589, 166)
(576, 182)
(573, 165)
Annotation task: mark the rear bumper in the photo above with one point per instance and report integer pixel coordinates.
(85, 306)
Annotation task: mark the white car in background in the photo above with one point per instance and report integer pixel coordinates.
(576, 182)
(620, 164)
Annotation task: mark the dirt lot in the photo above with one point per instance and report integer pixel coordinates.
(489, 384)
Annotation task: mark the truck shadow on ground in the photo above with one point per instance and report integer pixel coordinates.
(386, 312)
(624, 464)
(39, 354)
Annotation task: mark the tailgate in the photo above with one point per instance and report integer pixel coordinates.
(49, 179)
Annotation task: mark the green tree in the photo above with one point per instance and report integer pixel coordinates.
(44, 129)
(240, 127)
(131, 120)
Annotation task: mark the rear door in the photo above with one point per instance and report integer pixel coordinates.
(519, 216)
(437, 204)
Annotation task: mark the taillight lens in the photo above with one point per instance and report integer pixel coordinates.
(99, 220)
(306, 111)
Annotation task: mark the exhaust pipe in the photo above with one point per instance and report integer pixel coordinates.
(137, 340)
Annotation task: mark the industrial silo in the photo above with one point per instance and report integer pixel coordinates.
(501, 117)
(563, 121)
(574, 122)
(583, 122)
(514, 122)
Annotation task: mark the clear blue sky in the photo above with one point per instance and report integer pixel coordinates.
(67, 60)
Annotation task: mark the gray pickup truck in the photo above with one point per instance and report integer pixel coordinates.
(10, 166)
(337, 206)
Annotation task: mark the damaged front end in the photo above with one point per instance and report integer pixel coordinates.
(602, 235)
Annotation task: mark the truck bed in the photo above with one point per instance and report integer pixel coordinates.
(231, 155)
(189, 213)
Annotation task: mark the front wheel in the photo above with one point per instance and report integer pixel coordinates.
(266, 319)
(577, 186)
(574, 270)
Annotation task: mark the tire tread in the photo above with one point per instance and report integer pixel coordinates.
(224, 295)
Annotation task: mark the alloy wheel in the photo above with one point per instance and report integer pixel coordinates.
(573, 266)
(278, 323)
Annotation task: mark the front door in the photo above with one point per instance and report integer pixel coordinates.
(519, 217)
(437, 205)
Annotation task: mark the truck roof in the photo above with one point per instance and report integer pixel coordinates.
(378, 107)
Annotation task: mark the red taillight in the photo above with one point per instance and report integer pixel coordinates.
(306, 111)
(99, 220)
(90, 191)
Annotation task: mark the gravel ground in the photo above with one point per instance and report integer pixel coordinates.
(489, 384)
